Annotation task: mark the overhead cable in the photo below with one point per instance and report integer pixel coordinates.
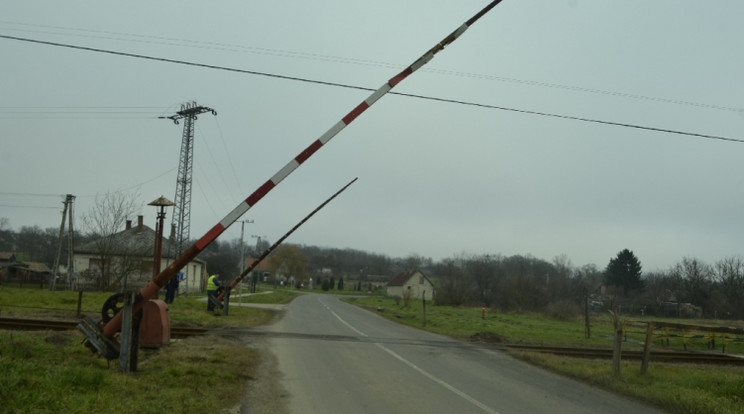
(341, 85)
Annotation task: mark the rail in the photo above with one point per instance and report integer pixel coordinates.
(707, 358)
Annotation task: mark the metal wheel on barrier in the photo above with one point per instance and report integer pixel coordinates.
(112, 306)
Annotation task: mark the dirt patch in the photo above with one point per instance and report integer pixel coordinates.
(264, 393)
(487, 337)
(57, 340)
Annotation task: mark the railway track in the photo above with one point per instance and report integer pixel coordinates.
(658, 356)
(598, 353)
(51, 325)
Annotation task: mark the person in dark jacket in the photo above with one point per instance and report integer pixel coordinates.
(171, 288)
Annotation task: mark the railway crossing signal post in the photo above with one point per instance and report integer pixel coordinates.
(129, 346)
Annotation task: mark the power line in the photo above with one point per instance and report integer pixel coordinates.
(326, 83)
(200, 44)
(19, 206)
(31, 194)
(577, 118)
(229, 158)
(78, 112)
(116, 108)
(121, 190)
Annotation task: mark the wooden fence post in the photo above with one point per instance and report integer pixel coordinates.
(587, 326)
(647, 347)
(80, 302)
(423, 302)
(617, 348)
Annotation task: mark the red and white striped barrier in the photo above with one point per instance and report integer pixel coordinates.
(153, 287)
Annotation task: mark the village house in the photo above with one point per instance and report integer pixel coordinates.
(411, 284)
(6, 259)
(132, 256)
(12, 271)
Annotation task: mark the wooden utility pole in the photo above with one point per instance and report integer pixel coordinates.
(66, 215)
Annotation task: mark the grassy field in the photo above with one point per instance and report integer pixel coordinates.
(52, 372)
(467, 324)
(677, 388)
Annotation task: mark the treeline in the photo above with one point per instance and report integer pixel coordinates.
(34, 244)
(690, 288)
(520, 282)
(717, 290)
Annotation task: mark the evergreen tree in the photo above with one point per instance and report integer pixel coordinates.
(624, 271)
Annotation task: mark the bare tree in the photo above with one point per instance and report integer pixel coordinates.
(415, 261)
(729, 273)
(36, 244)
(482, 271)
(454, 288)
(104, 221)
(696, 281)
(290, 261)
(7, 237)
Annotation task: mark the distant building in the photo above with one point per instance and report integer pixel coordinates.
(410, 282)
(133, 252)
(25, 272)
(261, 271)
(6, 259)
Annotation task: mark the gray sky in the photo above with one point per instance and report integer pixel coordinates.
(435, 179)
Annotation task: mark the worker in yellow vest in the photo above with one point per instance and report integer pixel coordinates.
(213, 285)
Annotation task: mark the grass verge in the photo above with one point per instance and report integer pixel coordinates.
(50, 372)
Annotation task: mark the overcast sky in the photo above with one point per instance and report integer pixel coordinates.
(436, 179)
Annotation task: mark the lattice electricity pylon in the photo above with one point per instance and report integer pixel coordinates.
(182, 209)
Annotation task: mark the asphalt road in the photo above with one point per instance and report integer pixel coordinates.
(335, 358)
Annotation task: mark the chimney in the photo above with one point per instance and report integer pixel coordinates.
(173, 232)
(139, 223)
(129, 224)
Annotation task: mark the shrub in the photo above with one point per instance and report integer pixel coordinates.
(563, 310)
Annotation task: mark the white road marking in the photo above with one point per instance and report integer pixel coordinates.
(423, 372)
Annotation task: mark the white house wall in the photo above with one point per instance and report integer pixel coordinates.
(416, 287)
(194, 272)
(194, 277)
